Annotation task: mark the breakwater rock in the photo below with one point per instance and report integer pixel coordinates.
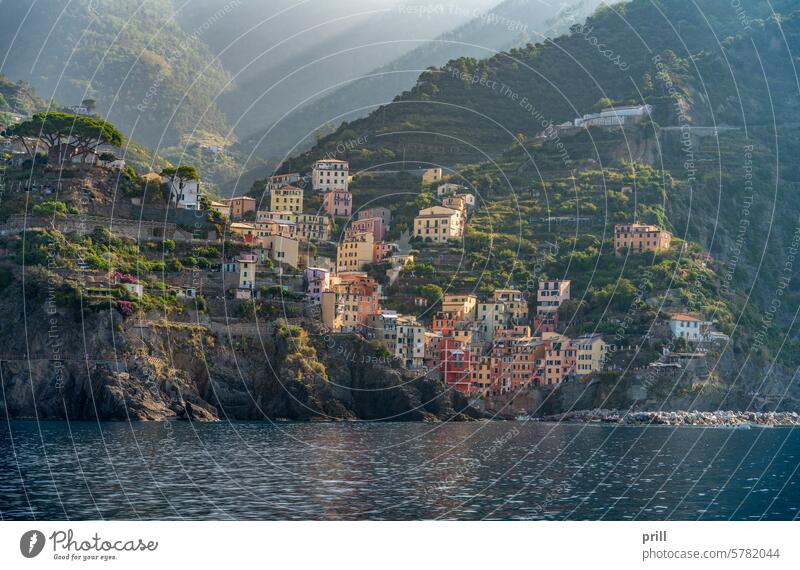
(677, 418)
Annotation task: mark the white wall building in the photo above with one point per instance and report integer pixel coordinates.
(690, 327)
(329, 175)
(184, 193)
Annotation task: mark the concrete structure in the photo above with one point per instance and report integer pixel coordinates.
(240, 206)
(615, 116)
(637, 238)
(438, 224)
(338, 202)
(330, 174)
(286, 199)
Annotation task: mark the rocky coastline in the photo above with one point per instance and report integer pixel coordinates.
(726, 418)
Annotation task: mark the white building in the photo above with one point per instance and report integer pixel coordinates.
(184, 193)
(615, 116)
(690, 327)
(330, 174)
(448, 188)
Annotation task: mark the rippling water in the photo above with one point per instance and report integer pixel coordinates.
(495, 470)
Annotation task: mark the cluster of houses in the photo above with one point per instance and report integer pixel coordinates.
(477, 346)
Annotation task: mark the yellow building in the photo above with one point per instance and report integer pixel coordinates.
(590, 354)
(246, 231)
(247, 271)
(438, 224)
(432, 175)
(354, 253)
(311, 227)
(515, 302)
(286, 199)
(463, 304)
(280, 249)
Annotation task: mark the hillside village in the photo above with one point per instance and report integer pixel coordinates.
(302, 249)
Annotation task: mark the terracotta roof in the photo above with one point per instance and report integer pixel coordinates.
(684, 317)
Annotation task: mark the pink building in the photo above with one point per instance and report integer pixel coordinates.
(338, 202)
(317, 280)
(370, 225)
(549, 297)
(382, 250)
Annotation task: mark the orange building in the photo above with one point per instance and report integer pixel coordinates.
(638, 238)
(350, 301)
(240, 206)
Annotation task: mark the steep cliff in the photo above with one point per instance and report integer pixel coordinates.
(59, 363)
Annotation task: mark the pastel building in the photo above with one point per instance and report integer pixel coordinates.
(384, 214)
(549, 297)
(247, 271)
(184, 194)
(316, 280)
(515, 302)
(286, 199)
(240, 206)
(590, 354)
(279, 180)
(431, 175)
(338, 202)
(346, 307)
(330, 174)
(690, 327)
(355, 253)
(410, 346)
(438, 224)
(369, 225)
(282, 250)
(462, 304)
(638, 238)
(312, 227)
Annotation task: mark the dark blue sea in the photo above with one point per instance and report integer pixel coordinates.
(396, 471)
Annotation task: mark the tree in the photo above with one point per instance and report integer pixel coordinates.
(432, 293)
(184, 173)
(65, 136)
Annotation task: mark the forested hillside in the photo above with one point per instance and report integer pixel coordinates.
(150, 77)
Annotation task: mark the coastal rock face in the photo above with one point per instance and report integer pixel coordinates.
(57, 366)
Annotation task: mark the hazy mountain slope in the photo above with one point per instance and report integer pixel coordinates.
(519, 91)
(510, 24)
(152, 79)
(271, 47)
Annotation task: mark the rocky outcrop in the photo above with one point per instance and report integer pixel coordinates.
(102, 366)
(679, 418)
